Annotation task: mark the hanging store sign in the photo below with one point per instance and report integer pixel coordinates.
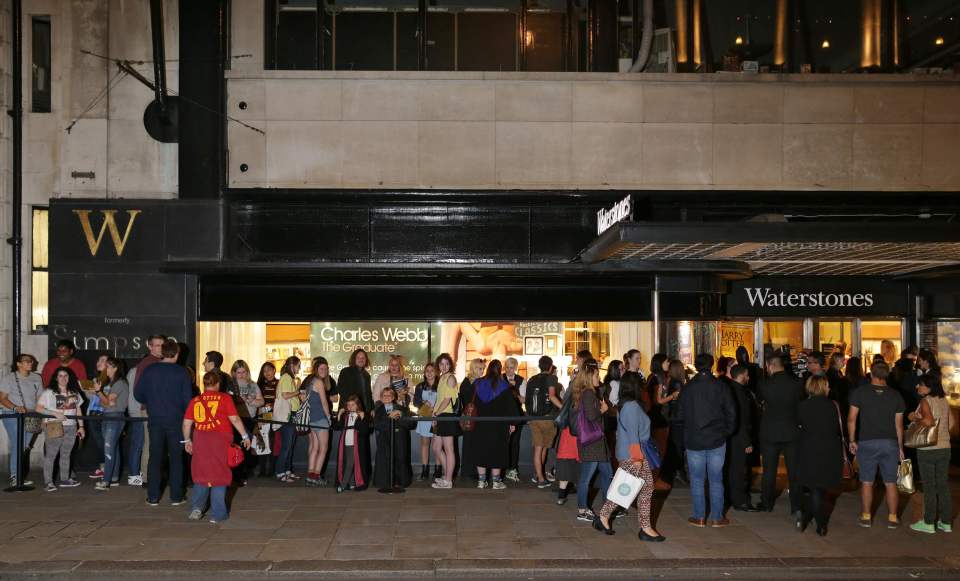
(622, 210)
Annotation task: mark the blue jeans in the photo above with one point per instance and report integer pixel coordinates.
(706, 465)
(288, 438)
(587, 469)
(165, 445)
(134, 447)
(111, 445)
(218, 500)
(10, 424)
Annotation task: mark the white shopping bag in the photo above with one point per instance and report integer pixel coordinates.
(624, 488)
(261, 443)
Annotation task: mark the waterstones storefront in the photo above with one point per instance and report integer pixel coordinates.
(262, 276)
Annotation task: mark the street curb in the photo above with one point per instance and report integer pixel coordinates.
(693, 568)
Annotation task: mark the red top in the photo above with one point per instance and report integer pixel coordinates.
(209, 412)
(75, 365)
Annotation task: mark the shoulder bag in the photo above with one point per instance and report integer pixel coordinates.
(53, 429)
(301, 417)
(31, 424)
(281, 410)
(921, 436)
(847, 470)
(469, 411)
(563, 416)
(588, 432)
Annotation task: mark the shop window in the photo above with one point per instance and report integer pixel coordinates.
(835, 336)
(948, 352)
(881, 337)
(783, 336)
(40, 264)
(543, 41)
(40, 67)
(736, 334)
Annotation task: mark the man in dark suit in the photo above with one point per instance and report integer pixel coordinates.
(740, 445)
(780, 394)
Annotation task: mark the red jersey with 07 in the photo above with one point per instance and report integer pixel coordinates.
(210, 412)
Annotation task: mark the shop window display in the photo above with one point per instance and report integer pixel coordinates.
(948, 349)
(883, 337)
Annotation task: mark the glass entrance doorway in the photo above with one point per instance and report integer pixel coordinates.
(881, 337)
(784, 336)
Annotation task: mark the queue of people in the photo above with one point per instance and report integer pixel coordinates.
(706, 428)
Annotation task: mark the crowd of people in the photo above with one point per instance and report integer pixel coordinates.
(708, 427)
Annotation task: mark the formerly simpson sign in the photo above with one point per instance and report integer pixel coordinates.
(620, 211)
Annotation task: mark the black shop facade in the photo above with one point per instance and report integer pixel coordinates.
(263, 275)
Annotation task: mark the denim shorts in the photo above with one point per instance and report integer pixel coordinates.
(878, 454)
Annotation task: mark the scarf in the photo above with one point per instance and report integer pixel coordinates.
(487, 392)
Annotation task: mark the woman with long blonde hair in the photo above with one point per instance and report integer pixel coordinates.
(594, 456)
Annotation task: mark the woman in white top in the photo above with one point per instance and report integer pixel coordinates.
(61, 400)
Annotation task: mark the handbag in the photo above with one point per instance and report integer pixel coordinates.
(587, 432)
(301, 417)
(234, 456)
(651, 453)
(31, 424)
(425, 410)
(281, 411)
(905, 477)
(846, 472)
(469, 411)
(624, 488)
(53, 429)
(921, 436)
(563, 416)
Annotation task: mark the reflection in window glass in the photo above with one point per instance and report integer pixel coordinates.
(880, 337)
(948, 351)
(785, 336)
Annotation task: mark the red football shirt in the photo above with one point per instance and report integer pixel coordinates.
(209, 412)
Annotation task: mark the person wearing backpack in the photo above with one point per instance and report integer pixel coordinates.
(542, 400)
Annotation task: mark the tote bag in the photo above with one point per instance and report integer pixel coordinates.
(624, 488)
(281, 411)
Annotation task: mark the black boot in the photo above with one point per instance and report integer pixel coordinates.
(438, 471)
(424, 472)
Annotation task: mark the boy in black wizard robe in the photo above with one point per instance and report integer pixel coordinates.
(388, 409)
(353, 449)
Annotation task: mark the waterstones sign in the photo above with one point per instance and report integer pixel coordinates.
(622, 210)
(768, 297)
(792, 297)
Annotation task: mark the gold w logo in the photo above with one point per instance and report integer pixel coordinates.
(109, 223)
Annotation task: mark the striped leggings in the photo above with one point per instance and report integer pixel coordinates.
(641, 470)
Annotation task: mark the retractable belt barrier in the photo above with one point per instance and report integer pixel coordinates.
(20, 487)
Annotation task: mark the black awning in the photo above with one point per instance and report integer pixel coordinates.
(787, 248)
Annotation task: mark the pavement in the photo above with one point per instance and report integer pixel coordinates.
(290, 531)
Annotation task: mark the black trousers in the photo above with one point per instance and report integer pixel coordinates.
(165, 447)
(515, 448)
(736, 474)
(771, 452)
(815, 508)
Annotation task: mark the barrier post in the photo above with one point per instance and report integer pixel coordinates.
(391, 488)
(19, 486)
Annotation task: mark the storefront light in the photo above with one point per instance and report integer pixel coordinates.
(738, 41)
(825, 44)
(938, 41)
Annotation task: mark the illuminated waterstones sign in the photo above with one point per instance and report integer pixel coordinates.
(767, 297)
(620, 211)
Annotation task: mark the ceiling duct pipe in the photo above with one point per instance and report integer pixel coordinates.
(646, 42)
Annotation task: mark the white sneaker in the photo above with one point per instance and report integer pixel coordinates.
(499, 485)
(481, 484)
(195, 514)
(135, 480)
(513, 476)
(102, 485)
(442, 484)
